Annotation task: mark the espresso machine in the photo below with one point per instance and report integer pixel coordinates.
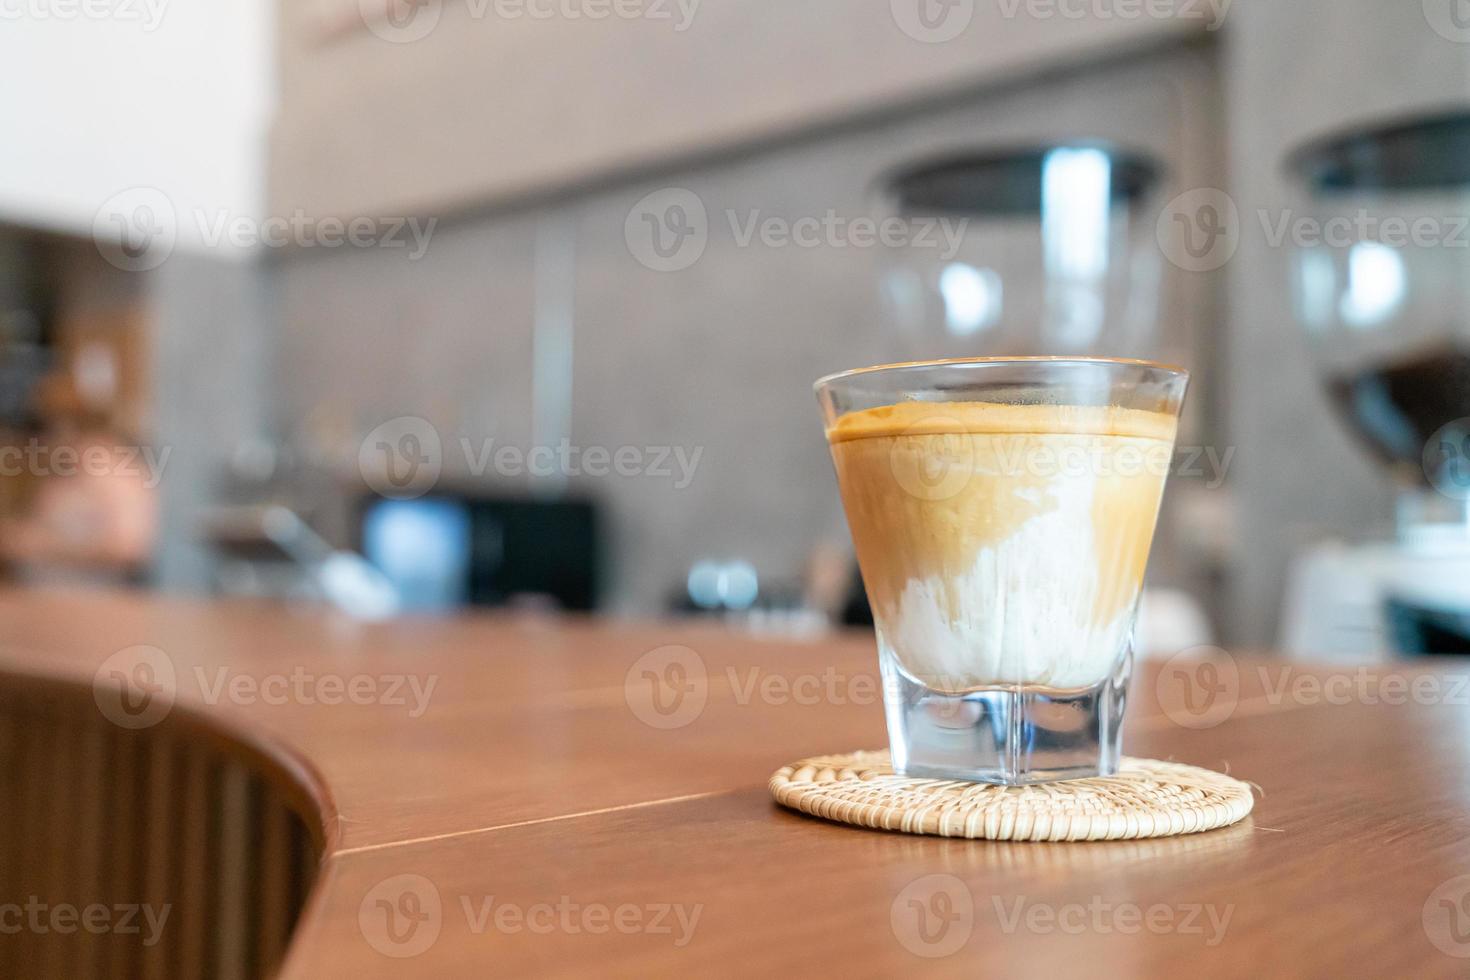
(1382, 288)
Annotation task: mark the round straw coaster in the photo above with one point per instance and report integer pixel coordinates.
(1145, 799)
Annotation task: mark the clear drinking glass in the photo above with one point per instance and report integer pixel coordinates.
(1002, 510)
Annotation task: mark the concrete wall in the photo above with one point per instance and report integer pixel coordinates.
(211, 343)
(465, 103)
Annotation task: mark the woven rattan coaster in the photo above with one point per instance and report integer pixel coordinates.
(1145, 799)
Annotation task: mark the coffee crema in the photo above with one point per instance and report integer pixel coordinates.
(1003, 544)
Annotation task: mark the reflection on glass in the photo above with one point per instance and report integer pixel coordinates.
(1076, 197)
(1076, 189)
(1375, 284)
(972, 297)
(1316, 290)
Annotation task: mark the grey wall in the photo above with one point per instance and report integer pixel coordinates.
(212, 332)
(458, 109)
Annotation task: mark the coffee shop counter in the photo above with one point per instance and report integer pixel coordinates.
(240, 789)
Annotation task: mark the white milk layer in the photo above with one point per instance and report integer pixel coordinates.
(1023, 613)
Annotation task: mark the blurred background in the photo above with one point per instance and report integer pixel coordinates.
(404, 307)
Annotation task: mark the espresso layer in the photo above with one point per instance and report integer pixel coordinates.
(1003, 543)
(919, 418)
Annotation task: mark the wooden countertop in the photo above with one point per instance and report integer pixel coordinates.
(532, 812)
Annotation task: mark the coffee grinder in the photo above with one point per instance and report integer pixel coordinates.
(1383, 293)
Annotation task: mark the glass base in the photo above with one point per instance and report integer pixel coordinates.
(1011, 735)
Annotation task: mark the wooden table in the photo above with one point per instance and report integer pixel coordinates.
(538, 814)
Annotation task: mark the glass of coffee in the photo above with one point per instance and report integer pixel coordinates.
(1002, 510)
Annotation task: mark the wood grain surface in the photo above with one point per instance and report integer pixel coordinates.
(508, 796)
